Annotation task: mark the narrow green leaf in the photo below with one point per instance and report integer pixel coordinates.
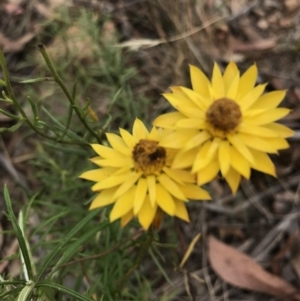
(33, 108)
(9, 282)
(86, 106)
(63, 289)
(10, 293)
(12, 128)
(64, 242)
(36, 80)
(61, 127)
(114, 99)
(6, 98)
(72, 249)
(40, 124)
(9, 114)
(21, 225)
(105, 125)
(160, 267)
(70, 114)
(2, 82)
(18, 233)
(26, 291)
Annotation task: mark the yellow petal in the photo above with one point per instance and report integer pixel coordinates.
(191, 123)
(217, 82)
(241, 147)
(118, 144)
(230, 73)
(151, 182)
(258, 143)
(178, 91)
(168, 120)
(239, 163)
(127, 184)
(185, 159)
(263, 163)
(197, 99)
(164, 200)
(180, 176)
(200, 82)
(233, 88)
(153, 135)
(195, 192)
(140, 194)
(111, 181)
(97, 175)
(104, 198)
(206, 154)
(183, 105)
(197, 140)
(251, 97)
(116, 162)
(139, 131)
(108, 152)
(180, 211)
(177, 139)
(269, 100)
(128, 139)
(208, 173)
(277, 143)
(125, 219)
(171, 186)
(146, 214)
(247, 81)
(125, 169)
(260, 131)
(233, 178)
(280, 129)
(224, 156)
(123, 205)
(267, 116)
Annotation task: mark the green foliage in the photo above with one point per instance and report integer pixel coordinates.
(71, 253)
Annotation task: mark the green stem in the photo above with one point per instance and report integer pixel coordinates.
(17, 104)
(64, 88)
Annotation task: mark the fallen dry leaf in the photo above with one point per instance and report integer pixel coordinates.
(240, 270)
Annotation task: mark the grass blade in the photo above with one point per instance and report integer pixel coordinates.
(18, 233)
(63, 289)
(62, 244)
(74, 247)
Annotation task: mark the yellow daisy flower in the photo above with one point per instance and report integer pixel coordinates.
(136, 176)
(226, 124)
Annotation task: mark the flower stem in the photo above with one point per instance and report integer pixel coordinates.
(60, 82)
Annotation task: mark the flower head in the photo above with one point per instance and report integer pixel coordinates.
(136, 176)
(226, 124)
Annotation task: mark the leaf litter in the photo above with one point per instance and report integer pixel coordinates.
(239, 269)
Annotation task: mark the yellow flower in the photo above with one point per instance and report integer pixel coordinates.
(135, 175)
(225, 125)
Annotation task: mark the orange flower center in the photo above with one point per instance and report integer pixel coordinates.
(149, 157)
(223, 116)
